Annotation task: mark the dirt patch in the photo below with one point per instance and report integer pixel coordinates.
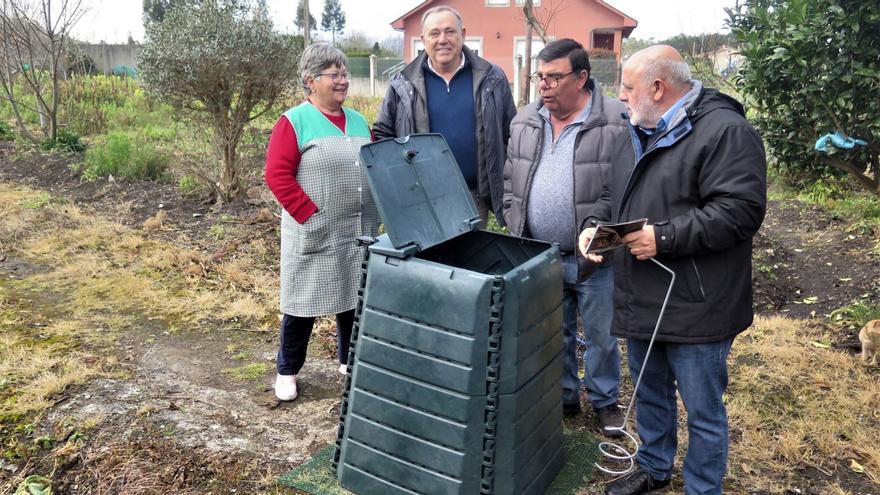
(169, 420)
(805, 253)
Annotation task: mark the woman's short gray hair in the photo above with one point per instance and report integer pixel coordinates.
(676, 73)
(316, 58)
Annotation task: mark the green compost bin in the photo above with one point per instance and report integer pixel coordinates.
(456, 356)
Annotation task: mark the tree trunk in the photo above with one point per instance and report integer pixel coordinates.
(307, 32)
(870, 184)
(527, 68)
(227, 136)
(22, 127)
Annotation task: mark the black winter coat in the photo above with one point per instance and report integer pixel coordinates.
(702, 184)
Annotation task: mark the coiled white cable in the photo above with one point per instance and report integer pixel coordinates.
(612, 450)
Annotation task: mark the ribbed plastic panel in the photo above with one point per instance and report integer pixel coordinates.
(456, 381)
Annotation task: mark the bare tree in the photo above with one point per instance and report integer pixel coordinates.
(534, 25)
(34, 39)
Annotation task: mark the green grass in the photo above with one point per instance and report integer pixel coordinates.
(249, 372)
(187, 185)
(860, 209)
(857, 314)
(125, 155)
(37, 202)
(5, 132)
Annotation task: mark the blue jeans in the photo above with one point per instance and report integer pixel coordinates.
(700, 373)
(593, 299)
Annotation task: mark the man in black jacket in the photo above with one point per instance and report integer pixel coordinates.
(699, 176)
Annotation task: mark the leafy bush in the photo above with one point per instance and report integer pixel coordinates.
(811, 68)
(64, 141)
(127, 157)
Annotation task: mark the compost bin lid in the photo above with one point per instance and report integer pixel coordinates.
(421, 195)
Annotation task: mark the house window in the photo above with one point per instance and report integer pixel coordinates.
(603, 41)
(535, 3)
(497, 3)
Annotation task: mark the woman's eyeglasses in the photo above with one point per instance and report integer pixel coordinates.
(336, 76)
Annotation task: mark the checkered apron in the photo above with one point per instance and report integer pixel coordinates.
(320, 261)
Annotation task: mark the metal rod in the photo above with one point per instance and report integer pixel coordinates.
(612, 450)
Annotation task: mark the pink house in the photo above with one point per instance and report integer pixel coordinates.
(496, 29)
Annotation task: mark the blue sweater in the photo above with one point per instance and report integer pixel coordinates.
(451, 113)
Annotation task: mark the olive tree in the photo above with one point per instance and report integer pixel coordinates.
(224, 65)
(812, 67)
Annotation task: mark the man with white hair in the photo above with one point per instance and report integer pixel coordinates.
(699, 177)
(450, 90)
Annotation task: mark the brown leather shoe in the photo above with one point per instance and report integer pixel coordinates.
(610, 417)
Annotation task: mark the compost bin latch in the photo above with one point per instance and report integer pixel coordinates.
(365, 241)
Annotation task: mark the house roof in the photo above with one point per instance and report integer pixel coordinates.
(628, 22)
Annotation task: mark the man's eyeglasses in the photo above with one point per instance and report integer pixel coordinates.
(550, 80)
(336, 76)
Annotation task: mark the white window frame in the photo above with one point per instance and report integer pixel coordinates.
(416, 44)
(535, 3)
(475, 43)
(497, 3)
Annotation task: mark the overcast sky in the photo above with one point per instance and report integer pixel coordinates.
(114, 20)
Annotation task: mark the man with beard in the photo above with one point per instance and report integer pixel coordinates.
(699, 176)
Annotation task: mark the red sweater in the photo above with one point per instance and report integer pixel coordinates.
(282, 162)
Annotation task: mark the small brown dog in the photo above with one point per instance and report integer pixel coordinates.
(870, 338)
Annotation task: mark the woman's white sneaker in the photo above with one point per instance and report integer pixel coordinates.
(343, 368)
(285, 387)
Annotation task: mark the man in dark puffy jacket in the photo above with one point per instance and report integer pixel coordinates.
(699, 176)
(449, 90)
(560, 152)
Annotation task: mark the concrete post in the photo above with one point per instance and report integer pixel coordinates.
(374, 60)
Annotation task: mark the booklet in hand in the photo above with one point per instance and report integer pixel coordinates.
(608, 236)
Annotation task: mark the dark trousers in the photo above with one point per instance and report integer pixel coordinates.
(295, 334)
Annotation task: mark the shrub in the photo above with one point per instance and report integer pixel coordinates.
(602, 53)
(64, 141)
(223, 64)
(811, 67)
(366, 105)
(187, 185)
(127, 157)
(5, 132)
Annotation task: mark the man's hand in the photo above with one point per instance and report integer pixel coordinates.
(584, 240)
(641, 244)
